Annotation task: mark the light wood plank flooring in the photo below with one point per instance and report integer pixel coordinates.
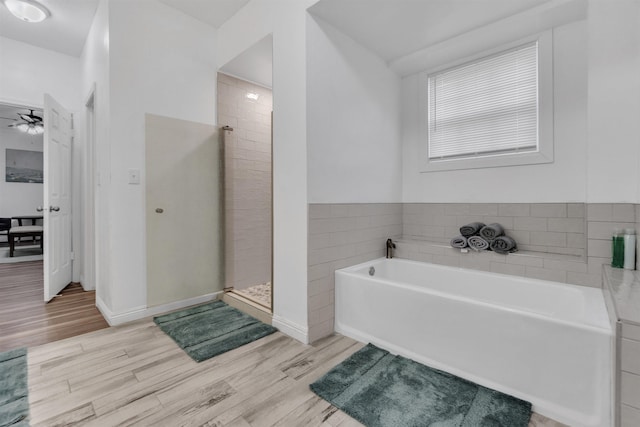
(25, 319)
(136, 375)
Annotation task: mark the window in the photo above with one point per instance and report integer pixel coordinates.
(492, 110)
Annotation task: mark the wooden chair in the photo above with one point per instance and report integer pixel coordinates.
(5, 225)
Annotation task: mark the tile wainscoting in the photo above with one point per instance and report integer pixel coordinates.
(341, 235)
(557, 228)
(562, 242)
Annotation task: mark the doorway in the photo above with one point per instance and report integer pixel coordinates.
(25, 318)
(21, 184)
(245, 105)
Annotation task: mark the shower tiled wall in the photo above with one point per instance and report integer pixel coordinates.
(247, 181)
(341, 235)
(563, 242)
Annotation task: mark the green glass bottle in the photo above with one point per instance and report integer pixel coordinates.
(617, 260)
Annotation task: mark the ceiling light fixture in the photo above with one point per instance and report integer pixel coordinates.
(27, 10)
(252, 96)
(34, 129)
(31, 128)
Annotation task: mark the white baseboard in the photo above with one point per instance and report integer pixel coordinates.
(141, 312)
(294, 330)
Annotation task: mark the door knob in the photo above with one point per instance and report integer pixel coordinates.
(159, 210)
(39, 209)
(54, 208)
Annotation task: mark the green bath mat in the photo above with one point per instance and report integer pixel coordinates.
(14, 392)
(211, 329)
(380, 389)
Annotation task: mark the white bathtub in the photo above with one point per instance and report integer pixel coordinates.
(545, 342)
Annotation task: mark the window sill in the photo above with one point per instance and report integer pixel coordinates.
(495, 161)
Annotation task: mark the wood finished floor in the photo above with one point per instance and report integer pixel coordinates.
(25, 319)
(134, 374)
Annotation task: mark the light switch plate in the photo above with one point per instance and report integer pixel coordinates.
(134, 176)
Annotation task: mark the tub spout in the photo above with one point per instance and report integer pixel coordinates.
(390, 247)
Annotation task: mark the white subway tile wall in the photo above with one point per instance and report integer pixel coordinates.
(540, 227)
(341, 235)
(247, 181)
(629, 375)
(562, 242)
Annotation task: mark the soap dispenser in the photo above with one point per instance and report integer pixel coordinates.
(629, 249)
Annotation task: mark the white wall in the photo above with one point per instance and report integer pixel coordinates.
(564, 180)
(353, 121)
(162, 62)
(286, 20)
(28, 72)
(614, 101)
(95, 78)
(18, 198)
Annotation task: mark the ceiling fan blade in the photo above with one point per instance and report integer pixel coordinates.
(26, 117)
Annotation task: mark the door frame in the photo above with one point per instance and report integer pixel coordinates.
(21, 103)
(27, 105)
(90, 261)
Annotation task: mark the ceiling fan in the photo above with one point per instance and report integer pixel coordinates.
(30, 123)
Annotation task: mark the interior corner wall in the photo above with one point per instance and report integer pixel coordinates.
(95, 78)
(286, 20)
(161, 62)
(564, 180)
(614, 102)
(353, 121)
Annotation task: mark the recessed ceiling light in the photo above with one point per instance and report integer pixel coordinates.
(252, 96)
(27, 10)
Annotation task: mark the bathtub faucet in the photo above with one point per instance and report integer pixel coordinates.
(390, 247)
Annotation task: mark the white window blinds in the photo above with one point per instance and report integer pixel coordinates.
(486, 107)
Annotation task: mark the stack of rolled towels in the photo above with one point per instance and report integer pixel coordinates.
(481, 237)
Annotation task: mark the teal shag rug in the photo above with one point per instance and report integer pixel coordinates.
(14, 390)
(380, 389)
(208, 330)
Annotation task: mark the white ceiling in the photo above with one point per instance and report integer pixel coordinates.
(212, 12)
(254, 64)
(395, 28)
(64, 31)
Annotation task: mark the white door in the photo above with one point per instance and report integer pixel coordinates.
(184, 210)
(58, 126)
